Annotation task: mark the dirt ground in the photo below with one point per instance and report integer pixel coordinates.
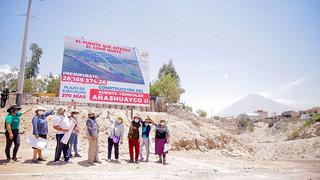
(181, 165)
(219, 156)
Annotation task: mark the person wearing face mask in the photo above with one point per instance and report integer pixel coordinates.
(162, 137)
(61, 125)
(145, 131)
(134, 136)
(92, 135)
(40, 129)
(73, 143)
(115, 136)
(12, 125)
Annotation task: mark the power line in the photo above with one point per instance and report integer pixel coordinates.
(9, 14)
(249, 71)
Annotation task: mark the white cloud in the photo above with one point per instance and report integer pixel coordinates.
(4, 68)
(273, 93)
(292, 84)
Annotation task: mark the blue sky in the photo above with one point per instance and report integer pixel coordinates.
(222, 50)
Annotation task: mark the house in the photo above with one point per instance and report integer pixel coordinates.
(314, 110)
(304, 115)
(263, 114)
(251, 116)
(287, 114)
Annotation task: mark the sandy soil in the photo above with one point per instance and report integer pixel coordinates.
(228, 158)
(181, 165)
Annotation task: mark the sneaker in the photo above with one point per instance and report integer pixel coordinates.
(109, 159)
(147, 160)
(159, 161)
(131, 161)
(90, 163)
(69, 162)
(9, 160)
(141, 159)
(56, 163)
(136, 161)
(77, 155)
(15, 159)
(164, 162)
(71, 156)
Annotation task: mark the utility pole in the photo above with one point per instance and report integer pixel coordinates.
(23, 57)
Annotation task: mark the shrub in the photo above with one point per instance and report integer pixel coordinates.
(270, 124)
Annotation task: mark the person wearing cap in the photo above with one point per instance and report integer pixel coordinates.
(145, 131)
(74, 135)
(134, 137)
(40, 129)
(12, 125)
(162, 137)
(92, 135)
(115, 136)
(61, 125)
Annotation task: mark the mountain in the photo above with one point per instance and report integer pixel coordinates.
(253, 102)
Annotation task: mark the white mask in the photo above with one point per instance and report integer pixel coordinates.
(136, 120)
(162, 124)
(147, 124)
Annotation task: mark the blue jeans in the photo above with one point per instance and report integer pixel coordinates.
(61, 148)
(73, 144)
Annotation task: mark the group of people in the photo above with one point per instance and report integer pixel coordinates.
(67, 129)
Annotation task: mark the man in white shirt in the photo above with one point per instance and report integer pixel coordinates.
(62, 125)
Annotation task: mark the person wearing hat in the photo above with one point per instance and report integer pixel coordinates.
(40, 129)
(12, 124)
(162, 137)
(134, 137)
(145, 131)
(61, 125)
(73, 144)
(92, 135)
(115, 136)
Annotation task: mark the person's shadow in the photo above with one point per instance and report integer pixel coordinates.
(115, 161)
(29, 161)
(85, 163)
(50, 163)
(3, 162)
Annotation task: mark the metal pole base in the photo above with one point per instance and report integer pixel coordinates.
(18, 99)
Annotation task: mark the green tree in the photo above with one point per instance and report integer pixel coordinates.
(168, 84)
(10, 79)
(167, 87)
(28, 86)
(32, 66)
(154, 90)
(201, 113)
(53, 85)
(169, 68)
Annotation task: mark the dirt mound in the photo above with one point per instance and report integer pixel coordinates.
(188, 132)
(301, 148)
(312, 131)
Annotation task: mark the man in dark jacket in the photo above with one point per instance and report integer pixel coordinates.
(4, 96)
